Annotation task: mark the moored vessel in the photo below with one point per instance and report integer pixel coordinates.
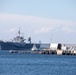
(18, 43)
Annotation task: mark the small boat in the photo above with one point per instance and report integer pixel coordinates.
(34, 48)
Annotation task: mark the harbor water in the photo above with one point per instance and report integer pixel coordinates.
(36, 64)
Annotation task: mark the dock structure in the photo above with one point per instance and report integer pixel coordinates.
(53, 49)
(59, 52)
(59, 49)
(52, 52)
(66, 52)
(24, 51)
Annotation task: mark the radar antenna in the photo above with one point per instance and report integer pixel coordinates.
(29, 39)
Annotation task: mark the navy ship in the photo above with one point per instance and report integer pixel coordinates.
(18, 43)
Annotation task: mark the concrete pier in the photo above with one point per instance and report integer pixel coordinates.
(59, 52)
(53, 52)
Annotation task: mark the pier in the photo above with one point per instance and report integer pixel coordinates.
(52, 52)
(53, 49)
(59, 52)
(24, 51)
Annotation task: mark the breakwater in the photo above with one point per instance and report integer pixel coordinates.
(59, 52)
(53, 52)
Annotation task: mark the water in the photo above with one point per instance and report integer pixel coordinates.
(35, 64)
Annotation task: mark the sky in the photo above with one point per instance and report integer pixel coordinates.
(42, 20)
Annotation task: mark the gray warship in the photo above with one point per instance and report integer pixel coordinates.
(18, 43)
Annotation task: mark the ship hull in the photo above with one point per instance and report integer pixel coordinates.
(16, 46)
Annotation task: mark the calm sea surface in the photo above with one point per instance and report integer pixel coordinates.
(35, 64)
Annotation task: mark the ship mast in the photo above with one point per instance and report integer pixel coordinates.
(19, 32)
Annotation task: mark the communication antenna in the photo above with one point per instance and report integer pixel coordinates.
(51, 37)
(19, 31)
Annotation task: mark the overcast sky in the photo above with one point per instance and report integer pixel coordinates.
(45, 20)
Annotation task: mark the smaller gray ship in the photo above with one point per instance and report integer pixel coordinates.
(18, 43)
